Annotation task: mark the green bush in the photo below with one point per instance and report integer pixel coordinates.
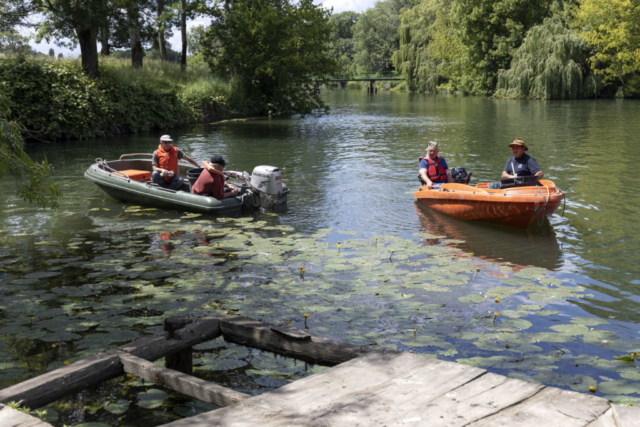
(54, 99)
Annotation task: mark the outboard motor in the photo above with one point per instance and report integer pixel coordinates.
(460, 176)
(266, 181)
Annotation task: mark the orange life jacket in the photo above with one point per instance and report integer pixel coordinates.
(168, 160)
(435, 172)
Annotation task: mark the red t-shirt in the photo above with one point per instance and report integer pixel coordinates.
(209, 184)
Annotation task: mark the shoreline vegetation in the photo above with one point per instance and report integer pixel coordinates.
(118, 100)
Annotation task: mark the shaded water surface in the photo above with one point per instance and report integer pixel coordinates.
(379, 270)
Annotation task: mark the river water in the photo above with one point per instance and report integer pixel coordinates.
(352, 174)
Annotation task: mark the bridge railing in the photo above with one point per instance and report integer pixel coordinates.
(367, 75)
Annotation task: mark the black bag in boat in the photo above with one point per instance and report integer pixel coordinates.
(519, 181)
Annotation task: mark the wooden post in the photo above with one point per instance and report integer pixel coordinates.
(371, 86)
(181, 361)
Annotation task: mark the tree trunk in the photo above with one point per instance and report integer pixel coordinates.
(137, 53)
(88, 38)
(104, 40)
(183, 30)
(162, 47)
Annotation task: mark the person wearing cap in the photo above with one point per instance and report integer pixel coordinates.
(165, 164)
(211, 181)
(521, 164)
(433, 170)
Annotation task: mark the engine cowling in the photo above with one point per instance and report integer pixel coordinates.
(267, 180)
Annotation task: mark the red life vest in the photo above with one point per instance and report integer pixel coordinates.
(168, 160)
(435, 172)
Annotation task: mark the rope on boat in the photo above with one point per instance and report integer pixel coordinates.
(540, 218)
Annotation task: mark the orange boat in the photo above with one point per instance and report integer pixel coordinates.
(516, 206)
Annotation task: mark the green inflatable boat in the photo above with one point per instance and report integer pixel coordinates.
(129, 179)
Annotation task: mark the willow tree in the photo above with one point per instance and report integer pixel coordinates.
(491, 31)
(430, 54)
(551, 63)
(33, 179)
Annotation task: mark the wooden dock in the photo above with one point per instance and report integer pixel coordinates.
(362, 389)
(383, 389)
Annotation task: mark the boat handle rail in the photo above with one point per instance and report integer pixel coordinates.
(135, 154)
(116, 173)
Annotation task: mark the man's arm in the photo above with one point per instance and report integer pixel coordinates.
(190, 160)
(155, 165)
(425, 178)
(533, 166)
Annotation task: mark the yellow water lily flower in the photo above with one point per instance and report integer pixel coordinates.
(497, 300)
(306, 315)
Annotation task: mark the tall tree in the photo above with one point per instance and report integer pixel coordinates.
(273, 50)
(492, 30)
(612, 27)
(375, 35)
(551, 63)
(162, 45)
(431, 56)
(341, 43)
(77, 20)
(134, 22)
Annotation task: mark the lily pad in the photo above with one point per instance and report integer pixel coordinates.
(119, 407)
(152, 398)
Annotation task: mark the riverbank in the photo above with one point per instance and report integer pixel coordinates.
(52, 99)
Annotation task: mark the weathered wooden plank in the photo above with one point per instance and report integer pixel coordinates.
(414, 392)
(435, 398)
(172, 324)
(305, 401)
(151, 347)
(181, 382)
(157, 346)
(551, 407)
(259, 335)
(604, 420)
(626, 416)
(10, 417)
(291, 332)
(49, 387)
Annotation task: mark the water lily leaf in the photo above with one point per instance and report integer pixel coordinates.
(473, 298)
(119, 407)
(589, 321)
(619, 387)
(571, 329)
(152, 398)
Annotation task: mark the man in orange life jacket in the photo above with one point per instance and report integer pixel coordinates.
(165, 164)
(433, 170)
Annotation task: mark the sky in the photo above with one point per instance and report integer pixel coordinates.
(337, 5)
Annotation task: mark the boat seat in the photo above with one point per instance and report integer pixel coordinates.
(137, 175)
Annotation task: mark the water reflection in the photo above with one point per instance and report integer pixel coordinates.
(536, 246)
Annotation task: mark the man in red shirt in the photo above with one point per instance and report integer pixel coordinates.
(213, 184)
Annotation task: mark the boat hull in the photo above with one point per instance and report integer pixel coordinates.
(515, 207)
(146, 194)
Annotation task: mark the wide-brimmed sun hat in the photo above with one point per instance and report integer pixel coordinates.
(166, 138)
(519, 142)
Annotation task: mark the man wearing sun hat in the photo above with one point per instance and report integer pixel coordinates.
(521, 164)
(165, 164)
